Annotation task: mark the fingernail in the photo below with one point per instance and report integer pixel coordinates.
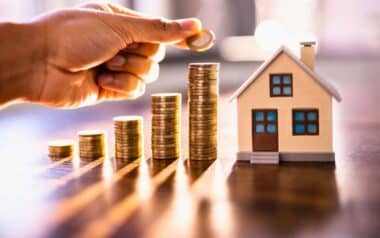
(118, 60)
(105, 79)
(190, 24)
(133, 46)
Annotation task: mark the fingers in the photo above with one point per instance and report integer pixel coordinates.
(122, 83)
(96, 6)
(182, 44)
(107, 95)
(144, 68)
(136, 27)
(161, 30)
(111, 7)
(140, 59)
(153, 51)
(123, 10)
(149, 30)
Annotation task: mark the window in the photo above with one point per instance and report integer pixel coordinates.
(265, 121)
(305, 122)
(281, 85)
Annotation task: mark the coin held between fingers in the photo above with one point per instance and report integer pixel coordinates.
(201, 41)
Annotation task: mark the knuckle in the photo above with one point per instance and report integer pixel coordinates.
(176, 26)
(160, 24)
(97, 6)
(140, 65)
(152, 49)
(150, 64)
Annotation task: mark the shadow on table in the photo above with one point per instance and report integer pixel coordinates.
(283, 200)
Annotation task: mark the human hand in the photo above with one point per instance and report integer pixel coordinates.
(100, 52)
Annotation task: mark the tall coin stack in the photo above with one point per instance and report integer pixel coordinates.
(92, 144)
(166, 125)
(203, 110)
(128, 137)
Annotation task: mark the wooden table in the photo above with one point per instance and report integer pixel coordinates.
(145, 198)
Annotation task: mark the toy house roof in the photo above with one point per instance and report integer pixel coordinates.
(323, 83)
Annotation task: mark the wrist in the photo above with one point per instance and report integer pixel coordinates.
(21, 62)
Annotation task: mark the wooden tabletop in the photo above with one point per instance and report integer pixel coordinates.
(40, 197)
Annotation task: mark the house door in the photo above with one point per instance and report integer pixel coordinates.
(264, 130)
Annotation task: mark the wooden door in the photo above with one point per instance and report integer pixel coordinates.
(264, 130)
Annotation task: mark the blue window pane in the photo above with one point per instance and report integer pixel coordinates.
(299, 128)
(275, 79)
(312, 116)
(259, 128)
(259, 116)
(276, 90)
(312, 128)
(287, 79)
(299, 116)
(287, 90)
(271, 128)
(271, 116)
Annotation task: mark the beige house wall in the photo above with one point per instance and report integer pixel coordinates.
(307, 93)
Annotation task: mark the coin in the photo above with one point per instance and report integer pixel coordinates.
(166, 97)
(92, 133)
(201, 41)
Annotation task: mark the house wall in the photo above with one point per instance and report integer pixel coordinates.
(307, 93)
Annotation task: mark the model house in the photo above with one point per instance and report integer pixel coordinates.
(285, 110)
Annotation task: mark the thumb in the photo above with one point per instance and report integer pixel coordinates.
(141, 29)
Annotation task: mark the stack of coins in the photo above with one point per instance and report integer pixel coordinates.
(128, 137)
(61, 148)
(166, 125)
(203, 110)
(91, 144)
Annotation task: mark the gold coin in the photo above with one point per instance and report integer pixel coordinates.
(166, 97)
(201, 41)
(91, 133)
(128, 119)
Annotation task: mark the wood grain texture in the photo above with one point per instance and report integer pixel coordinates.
(146, 198)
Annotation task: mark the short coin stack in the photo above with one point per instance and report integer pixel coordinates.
(91, 144)
(61, 148)
(128, 137)
(203, 110)
(166, 125)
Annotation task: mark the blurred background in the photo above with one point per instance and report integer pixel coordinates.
(248, 31)
(343, 28)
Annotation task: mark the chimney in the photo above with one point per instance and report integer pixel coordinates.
(307, 53)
